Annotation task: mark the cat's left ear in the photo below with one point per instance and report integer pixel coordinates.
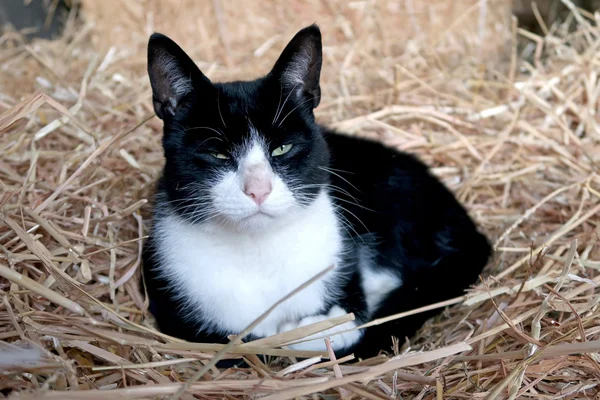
(299, 66)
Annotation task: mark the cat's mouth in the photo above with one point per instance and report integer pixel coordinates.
(258, 214)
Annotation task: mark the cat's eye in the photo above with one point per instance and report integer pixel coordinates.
(281, 150)
(220, 156)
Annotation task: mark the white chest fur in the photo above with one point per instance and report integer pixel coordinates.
(229, 279)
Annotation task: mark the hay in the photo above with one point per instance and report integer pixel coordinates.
(518, 143)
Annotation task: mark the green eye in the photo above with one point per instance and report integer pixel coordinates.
(281, 150)
(220, 156)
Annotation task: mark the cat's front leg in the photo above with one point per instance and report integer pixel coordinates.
(338, 342)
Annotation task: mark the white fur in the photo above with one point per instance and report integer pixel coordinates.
(231, 278)
(255, 154)
(376, 283)
(296, 72)
(295, 75)
(338, 342)
(179, 83)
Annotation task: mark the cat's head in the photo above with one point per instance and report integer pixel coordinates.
(240, 155)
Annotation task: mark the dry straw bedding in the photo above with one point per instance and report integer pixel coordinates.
(517, 141)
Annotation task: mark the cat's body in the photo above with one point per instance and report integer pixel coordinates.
(256, 199)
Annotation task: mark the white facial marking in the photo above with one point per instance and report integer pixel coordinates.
(257, 174)
(254, 154)
(253, 196)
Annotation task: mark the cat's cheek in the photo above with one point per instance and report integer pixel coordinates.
(281, 200)
(228, 198)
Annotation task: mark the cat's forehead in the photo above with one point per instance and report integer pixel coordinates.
(253, 109)
(245, 99)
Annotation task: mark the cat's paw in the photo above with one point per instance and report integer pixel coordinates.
(290, 325)
(338, 342)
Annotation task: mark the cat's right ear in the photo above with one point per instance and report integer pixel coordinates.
(299, 65)
(173, 75)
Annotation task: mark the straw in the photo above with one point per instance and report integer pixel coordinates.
(506, 118)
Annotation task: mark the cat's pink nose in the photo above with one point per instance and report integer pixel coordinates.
(258, 190)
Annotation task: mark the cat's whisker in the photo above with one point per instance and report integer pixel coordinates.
(332, 186)
(326, 186)
(339, 210)
(336, 189)
(352, 203)
(340, 170)
(293, 109)
(190, 204)
(339, 176)
(206, 140)
(205, 127)
(348, 226)
(354, 215)
(196, 212)
(219, 109)
(205, 218)
(195, 209)
(190, 199)
(200, 217)
(285, 101)
(278, 104)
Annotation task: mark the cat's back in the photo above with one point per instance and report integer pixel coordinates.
(392, 196)
(349, 150)
(385, 180)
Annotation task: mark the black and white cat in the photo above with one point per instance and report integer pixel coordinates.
(256, 198)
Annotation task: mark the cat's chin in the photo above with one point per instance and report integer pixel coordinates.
(255, 222)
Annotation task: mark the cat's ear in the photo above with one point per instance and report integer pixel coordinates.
(299, 66)
(173, 75)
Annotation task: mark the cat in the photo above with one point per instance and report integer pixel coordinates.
(257, 198)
